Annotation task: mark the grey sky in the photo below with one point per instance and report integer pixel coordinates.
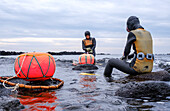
(22, 21)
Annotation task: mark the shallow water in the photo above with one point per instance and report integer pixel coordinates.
(84, 92)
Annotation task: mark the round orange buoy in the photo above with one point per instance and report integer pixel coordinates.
(35, 66)
(86, 59)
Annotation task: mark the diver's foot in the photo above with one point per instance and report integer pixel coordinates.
(109, 79)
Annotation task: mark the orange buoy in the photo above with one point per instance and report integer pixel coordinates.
(86, 59)
(35, 66)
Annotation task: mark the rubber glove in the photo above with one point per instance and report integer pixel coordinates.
(91, 51)
(122, 58)
(88, 50)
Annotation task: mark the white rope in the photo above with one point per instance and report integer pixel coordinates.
(51, 79)
(17, 85)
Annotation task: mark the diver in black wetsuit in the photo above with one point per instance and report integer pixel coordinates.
(89, 44)
(141, 41)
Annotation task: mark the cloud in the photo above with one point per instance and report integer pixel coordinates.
(64, 18)
(37, 19)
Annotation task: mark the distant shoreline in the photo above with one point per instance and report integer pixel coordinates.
(6, 53)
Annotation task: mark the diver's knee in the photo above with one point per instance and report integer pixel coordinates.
(111, 61)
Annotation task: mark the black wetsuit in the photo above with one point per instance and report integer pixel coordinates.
(122, 65)
(93, 46)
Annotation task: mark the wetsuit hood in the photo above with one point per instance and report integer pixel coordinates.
(133, 23)
(87, 33)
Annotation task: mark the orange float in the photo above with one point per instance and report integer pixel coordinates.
(35, 66)
(86, 59)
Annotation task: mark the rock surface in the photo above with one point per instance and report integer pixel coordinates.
(144, 89)
(10, 104)
(85, 67)
(165, 67)
(154, 76)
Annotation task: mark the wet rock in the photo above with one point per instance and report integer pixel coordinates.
(154, 76)
(85, 67)
(116, 102)
(4, 91)
(73, 90)
(10, 53)
(10, 104)
(73, 108)
(66, 53)
(102, 62)
(144, 89)
(165, 66)
(6, 61)
(64, 61)
(167, 69)
(75, 80)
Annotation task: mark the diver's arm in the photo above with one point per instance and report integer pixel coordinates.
(131, 56)
(83, 45)
(127, 57)
(131, 38)
(94, 43)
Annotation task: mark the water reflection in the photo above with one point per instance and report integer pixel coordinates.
(88, 82)
(88, 92)
(39, 101)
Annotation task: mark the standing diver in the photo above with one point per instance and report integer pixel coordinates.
(89, 44)
(142, 61)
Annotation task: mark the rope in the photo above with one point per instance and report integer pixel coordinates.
(33, 87)
(51, 79)
(17, 85)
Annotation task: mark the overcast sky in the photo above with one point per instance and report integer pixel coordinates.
(57, 25)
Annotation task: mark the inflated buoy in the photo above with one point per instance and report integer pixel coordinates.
(86, 59)
(35, 66)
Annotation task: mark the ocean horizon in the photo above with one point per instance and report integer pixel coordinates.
(104, 45)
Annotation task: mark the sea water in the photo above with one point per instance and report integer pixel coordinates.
(84, 92)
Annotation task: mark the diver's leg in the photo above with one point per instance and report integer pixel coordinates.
(94, 53)
(108, 69)
(118, 64)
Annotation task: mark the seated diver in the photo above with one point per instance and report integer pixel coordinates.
(142, 61)
(89, 44)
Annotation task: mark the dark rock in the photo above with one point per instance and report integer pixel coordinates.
(156, 76)
(168, 69)
(10, 53)
(102, 62)
(10, 104)
(102, 54)
(66, 53)
(144, 89)
(165, 66)
(73, 90)
(85, 67)
(4, 91)
(73, 107)
(65, 61)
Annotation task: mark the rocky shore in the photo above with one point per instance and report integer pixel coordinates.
(8, 103)
(4, 53)
(152, 86)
